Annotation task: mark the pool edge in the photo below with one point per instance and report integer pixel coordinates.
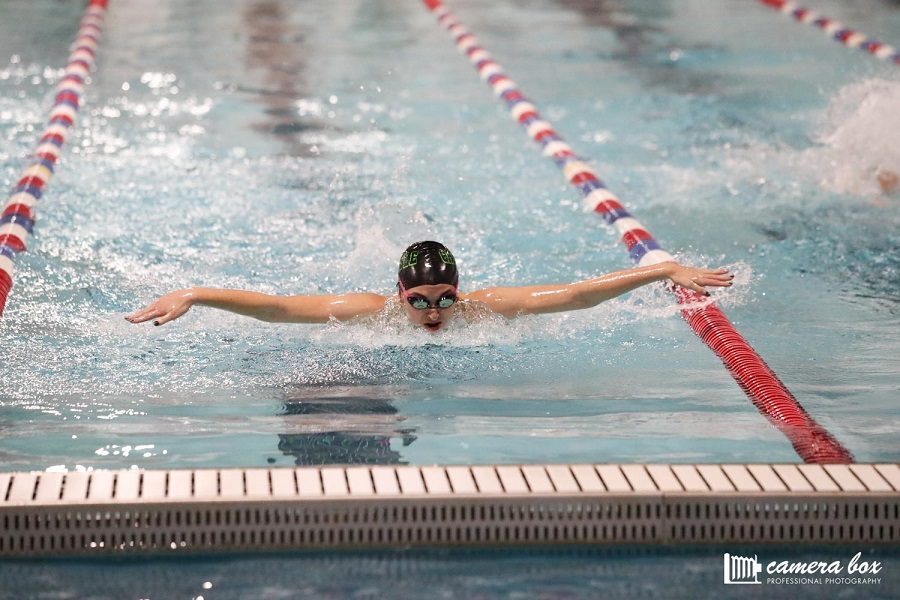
(245, 509)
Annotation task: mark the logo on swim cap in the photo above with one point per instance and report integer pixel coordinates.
(409, 259)
(427, 263)
(446, 257)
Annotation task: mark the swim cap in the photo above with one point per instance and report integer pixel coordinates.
(427, 263)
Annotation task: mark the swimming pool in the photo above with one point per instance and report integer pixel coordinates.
(298, 149)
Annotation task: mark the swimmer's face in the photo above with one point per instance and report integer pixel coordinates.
(431, 319)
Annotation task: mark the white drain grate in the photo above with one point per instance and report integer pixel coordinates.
(243, 509)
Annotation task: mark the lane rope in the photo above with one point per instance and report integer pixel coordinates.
(812, 442)
(18, 215)
(837, 30)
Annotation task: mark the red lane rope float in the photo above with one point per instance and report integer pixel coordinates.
(837, 30)
(18, 214)
(811, 441)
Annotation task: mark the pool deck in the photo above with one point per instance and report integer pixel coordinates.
(203, 510)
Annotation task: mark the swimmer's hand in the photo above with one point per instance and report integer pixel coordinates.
(698, 279)
(165, 308)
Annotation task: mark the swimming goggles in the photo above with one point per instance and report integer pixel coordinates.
(421, 303)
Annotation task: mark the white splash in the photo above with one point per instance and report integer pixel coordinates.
(859, 137)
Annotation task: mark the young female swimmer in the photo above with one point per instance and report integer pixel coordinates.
(427, 290)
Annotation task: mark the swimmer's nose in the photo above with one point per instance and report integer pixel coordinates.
(433, 315)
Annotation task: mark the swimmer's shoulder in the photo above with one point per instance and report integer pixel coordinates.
(476, 296)
(357, 304)
(486, 300)
(477, 305)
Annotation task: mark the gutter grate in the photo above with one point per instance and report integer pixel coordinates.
(380, 506)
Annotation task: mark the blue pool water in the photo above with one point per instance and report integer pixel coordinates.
(566, 573)
(299, 147)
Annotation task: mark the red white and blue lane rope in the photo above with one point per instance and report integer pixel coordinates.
(837, 30)
(18, 214)
(811, 441)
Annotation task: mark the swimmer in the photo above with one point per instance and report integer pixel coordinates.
(428, 291)
(888, 181)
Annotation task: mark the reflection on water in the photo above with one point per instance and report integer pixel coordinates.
(631, 34)
(275, 47)
(645, 46)
(350, 429)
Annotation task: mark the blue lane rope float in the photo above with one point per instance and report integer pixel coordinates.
(811, 441)
(18, 214)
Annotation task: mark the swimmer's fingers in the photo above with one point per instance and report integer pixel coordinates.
(717, 277)
(720, 273)
(172, 314)
(158, 314)
(165, 309)
(145, 314)
(693, 285)
(698, 279)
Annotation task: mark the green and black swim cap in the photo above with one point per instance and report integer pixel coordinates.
(427, 263)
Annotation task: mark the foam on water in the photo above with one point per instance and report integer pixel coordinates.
(850, 140)
(858, 137)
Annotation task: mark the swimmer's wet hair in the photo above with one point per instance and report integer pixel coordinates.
(427, 263)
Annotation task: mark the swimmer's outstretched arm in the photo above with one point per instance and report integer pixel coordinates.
(265, 307)
(513, 301)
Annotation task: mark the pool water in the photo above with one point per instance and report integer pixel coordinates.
(689, 573)
(299, 147)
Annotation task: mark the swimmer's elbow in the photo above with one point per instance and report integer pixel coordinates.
(287, 310)
(322, 309)
(491, 298)
(580, 301)
(272, 315)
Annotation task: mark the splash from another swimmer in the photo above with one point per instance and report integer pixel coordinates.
(860, 139)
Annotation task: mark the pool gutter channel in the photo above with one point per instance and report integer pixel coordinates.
(206, 510)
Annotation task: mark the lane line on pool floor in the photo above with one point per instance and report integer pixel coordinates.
(18, 214)
(812, 442)
(838, 31)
